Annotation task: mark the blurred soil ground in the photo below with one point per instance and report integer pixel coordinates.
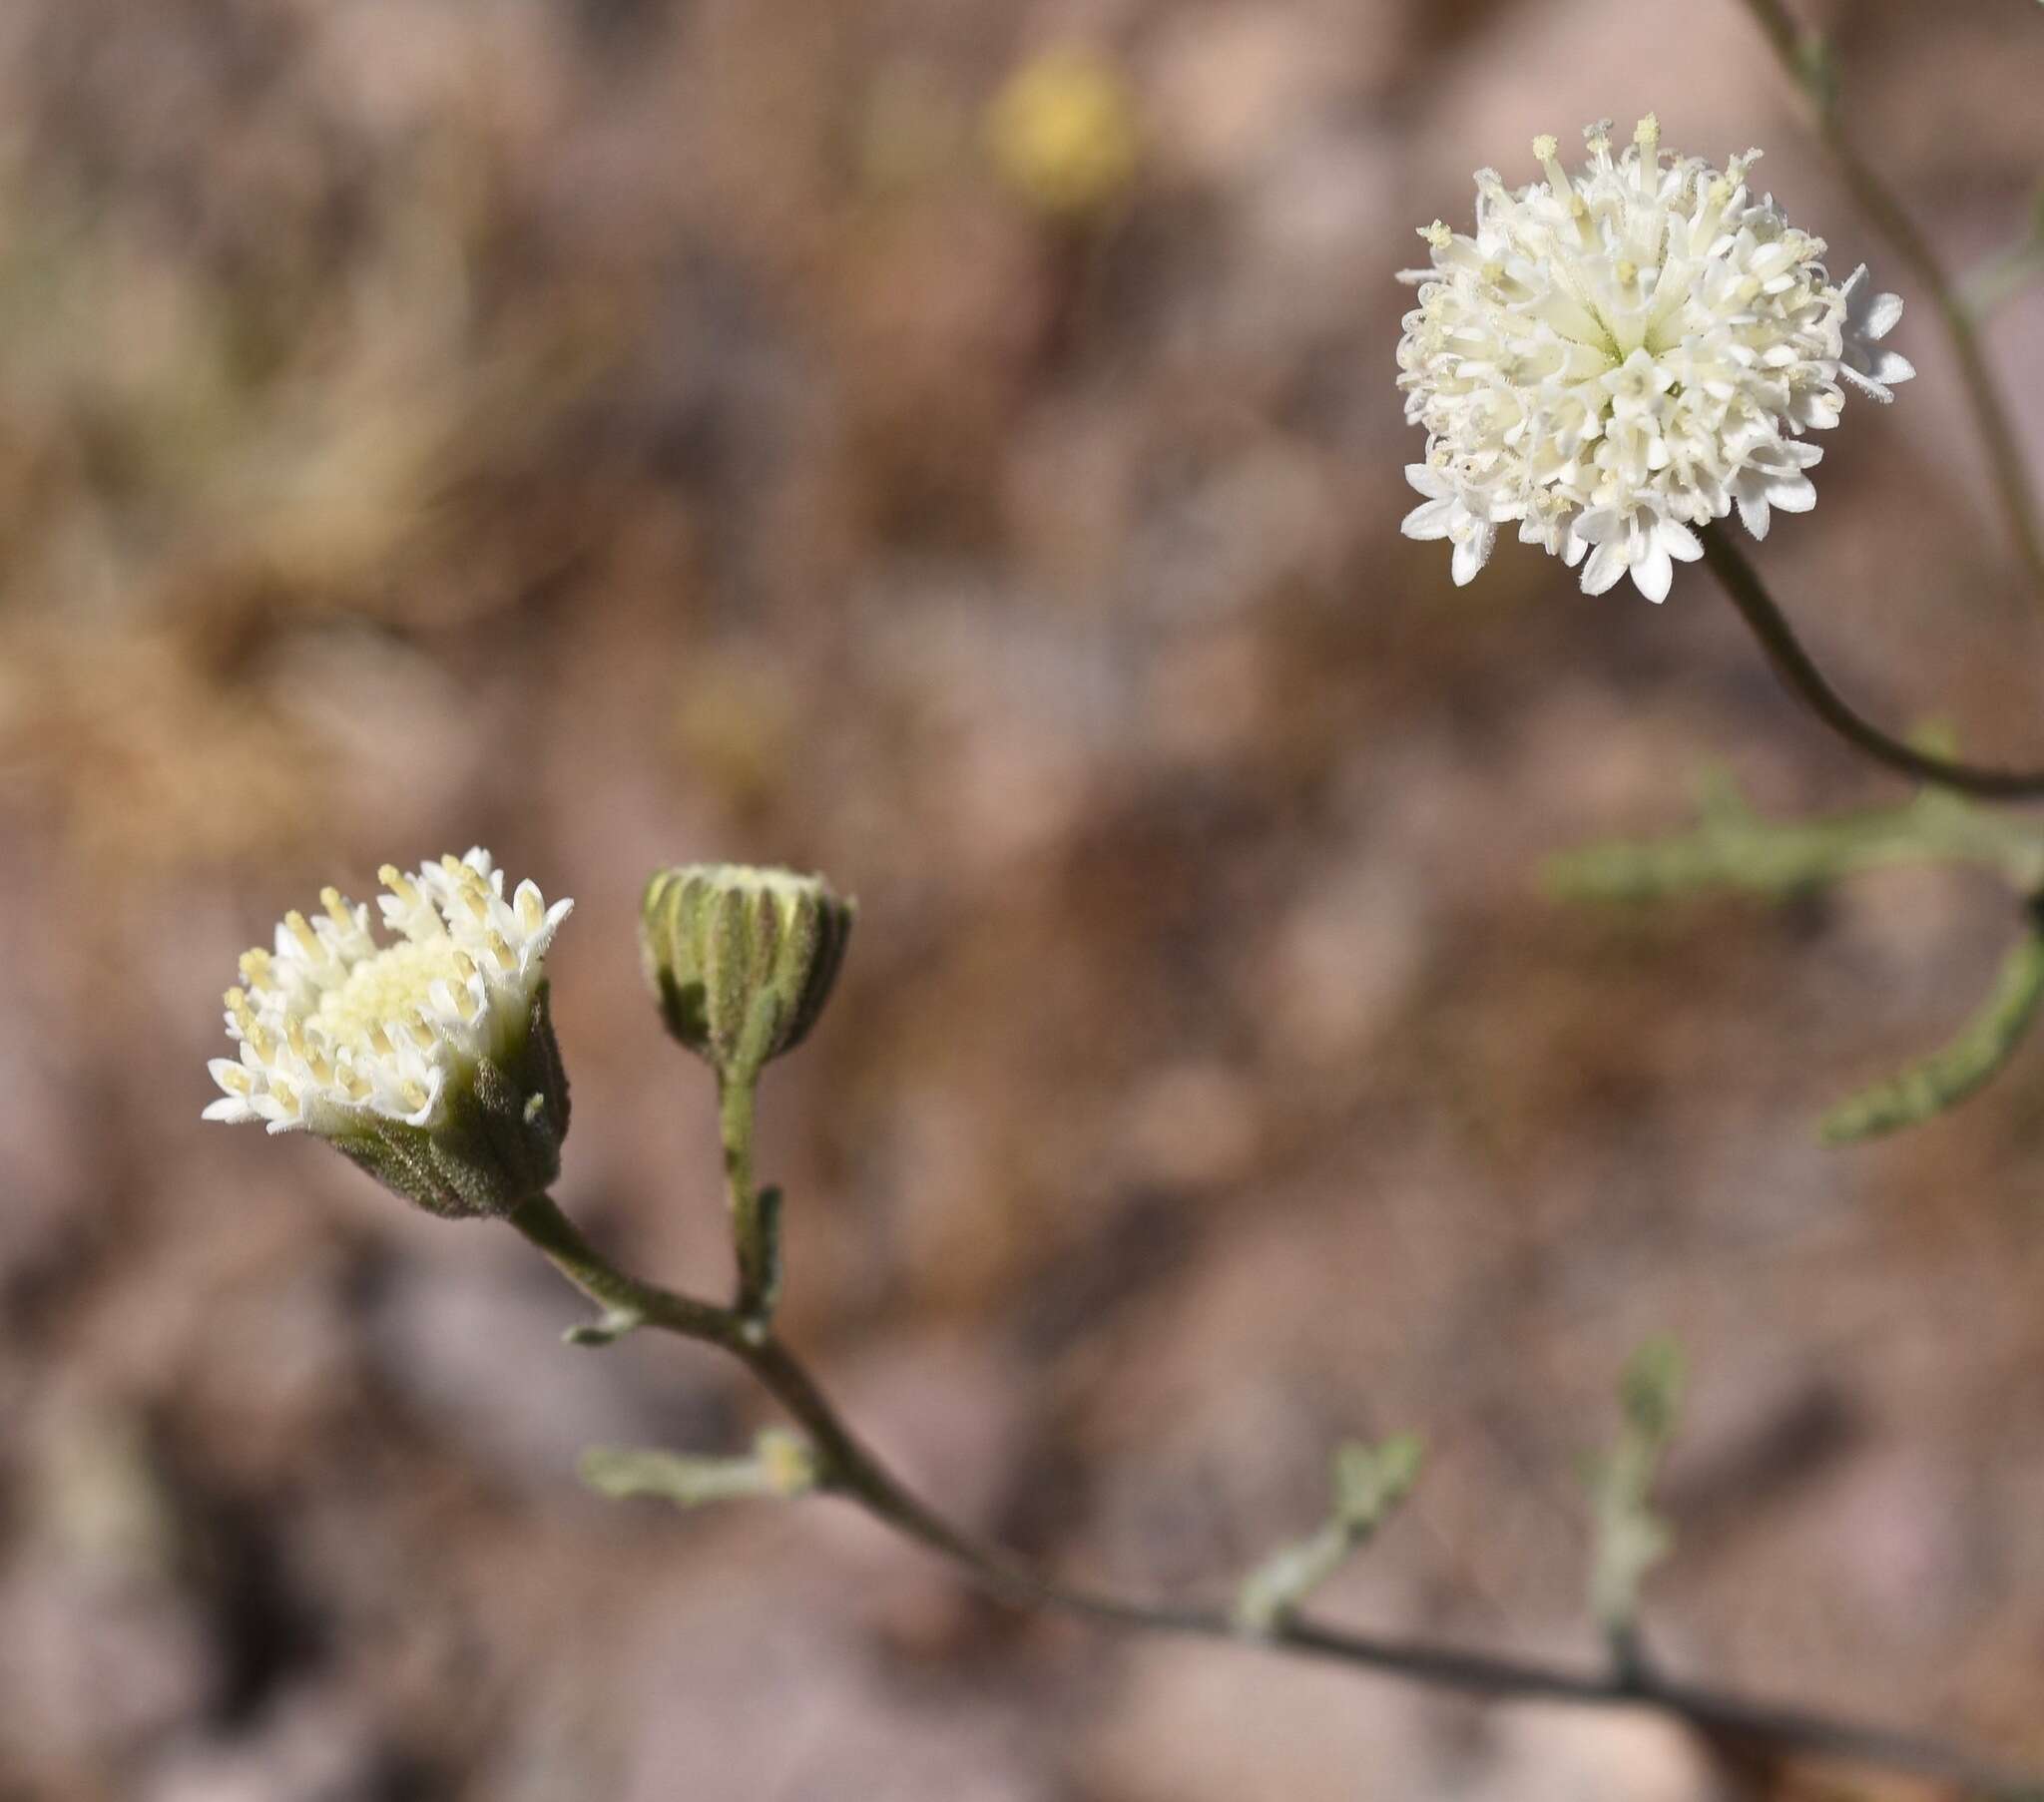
(619, 433)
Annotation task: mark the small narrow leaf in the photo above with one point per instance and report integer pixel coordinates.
(606, 1329)
(1368, 1481)
(768, 1226)
(1947, 1076)
(1631, 1538)
(782, 1465)
(1371, 1481)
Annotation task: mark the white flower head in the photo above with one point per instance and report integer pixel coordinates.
(1617, 356)
(431, 1046)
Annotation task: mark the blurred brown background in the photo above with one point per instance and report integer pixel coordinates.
(616, 432)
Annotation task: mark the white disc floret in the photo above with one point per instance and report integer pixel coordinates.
(337, 1031)
(1618, 356)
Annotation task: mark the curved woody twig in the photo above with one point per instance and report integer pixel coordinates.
(1731, 1724)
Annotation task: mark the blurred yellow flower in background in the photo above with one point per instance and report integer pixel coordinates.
(1062, 132)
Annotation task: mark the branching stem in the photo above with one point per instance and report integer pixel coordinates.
(849, 1469)
(1808, 63)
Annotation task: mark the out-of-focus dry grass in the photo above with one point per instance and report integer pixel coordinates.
(616, 434)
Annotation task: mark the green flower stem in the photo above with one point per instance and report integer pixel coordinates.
(847, 1468)
(1808, 63)
(625, 1301)
(752, 1223)
(1743, 585)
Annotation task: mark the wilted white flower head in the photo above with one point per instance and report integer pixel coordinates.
(429, 1046)
(1618, 356)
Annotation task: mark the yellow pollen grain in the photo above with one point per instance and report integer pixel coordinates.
(1545, 147)
(1647, 134)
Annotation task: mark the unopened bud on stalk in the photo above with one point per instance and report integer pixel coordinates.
(741, 960)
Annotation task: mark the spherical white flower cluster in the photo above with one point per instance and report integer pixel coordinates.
(338, 1031)
(1616, 357)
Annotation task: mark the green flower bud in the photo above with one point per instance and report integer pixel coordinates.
(741, 960)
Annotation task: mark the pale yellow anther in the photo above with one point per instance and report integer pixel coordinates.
(1437, 234)
(302, 929)
(1545, 147)
(286, 1093)
(335, 904)
(1627, 271)
(321, 1069)
(502, 951)
(379, 1039)
(414, 1092)
(237, 1002)
(421, 1032)
(356, 1085)
(478, 904)
(1597, 136)
(254, 967)
(399, 884)
(466, 964)
(1647, 134)
(235, 1079)
(294, 1034)
(532, 911)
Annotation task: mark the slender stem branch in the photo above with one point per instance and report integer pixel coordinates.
(1742, 583)
(736, 1098)
(1802, 57)
(849, 1468)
